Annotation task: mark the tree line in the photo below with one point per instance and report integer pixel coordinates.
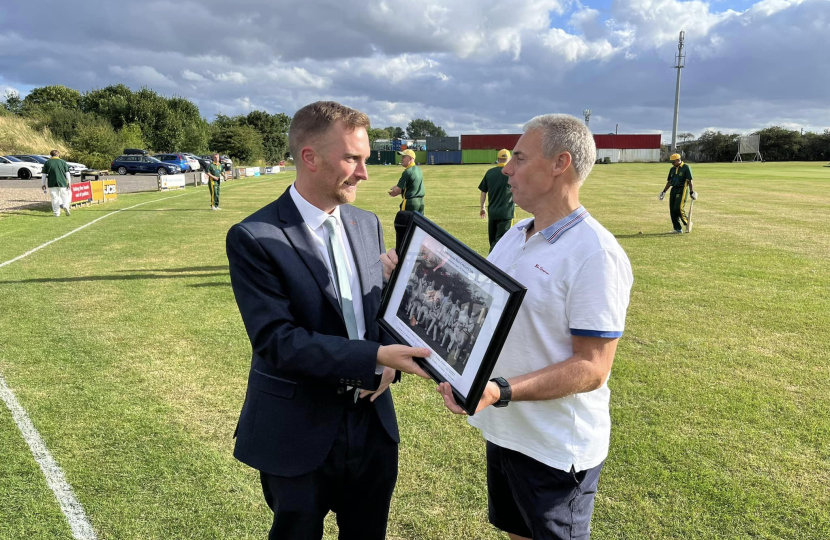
(97, 125)
(777, 144)
(419, 128)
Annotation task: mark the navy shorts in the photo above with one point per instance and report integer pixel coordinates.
(531, 499)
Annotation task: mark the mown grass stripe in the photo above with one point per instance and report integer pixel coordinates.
(56, 480)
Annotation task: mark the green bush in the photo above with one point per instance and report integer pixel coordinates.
(242, 143)
(64, 124)
(96, 146)
(132, 137)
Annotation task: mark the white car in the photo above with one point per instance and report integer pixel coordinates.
(74, 168)
(192, 161)
(14, 168)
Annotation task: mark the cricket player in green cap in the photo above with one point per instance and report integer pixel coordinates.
(411, 184)
(680, 181)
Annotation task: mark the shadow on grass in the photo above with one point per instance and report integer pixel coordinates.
(151, 210)
(644, 235)
(203, 285)
(29, 214)
(35, 209)
(188, 269)
(131, 277)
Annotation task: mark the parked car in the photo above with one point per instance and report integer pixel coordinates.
(135, 151)
(204, 161)
(12, 167)
(132, 164)
(74, 168)
(175, 159)
(193, 161)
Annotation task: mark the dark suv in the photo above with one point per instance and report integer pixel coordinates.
(142, 164)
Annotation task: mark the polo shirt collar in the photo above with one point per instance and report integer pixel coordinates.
(555, 231)
(313, 216)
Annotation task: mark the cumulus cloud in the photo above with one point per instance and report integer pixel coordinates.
(477, 66)
(230, 76)
(143, 75)
(191, 76)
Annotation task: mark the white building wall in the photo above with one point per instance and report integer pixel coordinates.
(612, 153)
(647, 155)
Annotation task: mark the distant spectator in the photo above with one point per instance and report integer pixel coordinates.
(57, 177)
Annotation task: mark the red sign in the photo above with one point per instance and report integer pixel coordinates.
(81, 192)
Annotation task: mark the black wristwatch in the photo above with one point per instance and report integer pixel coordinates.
(505, 392)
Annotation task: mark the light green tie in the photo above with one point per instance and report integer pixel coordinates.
(337, 256)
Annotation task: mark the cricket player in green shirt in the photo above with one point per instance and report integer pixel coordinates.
(500, 208)
(680, 181)
(56, 177)
(214, 173)
(411, 184)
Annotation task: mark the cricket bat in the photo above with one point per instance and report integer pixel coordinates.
(689, 218)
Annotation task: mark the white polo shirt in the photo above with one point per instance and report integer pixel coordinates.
(578, 281)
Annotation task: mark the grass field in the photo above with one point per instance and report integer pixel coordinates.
(124, 344)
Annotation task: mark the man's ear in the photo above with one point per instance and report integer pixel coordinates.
(561, 163)
(309, 158)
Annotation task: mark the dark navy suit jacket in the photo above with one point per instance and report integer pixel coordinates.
(302, 356)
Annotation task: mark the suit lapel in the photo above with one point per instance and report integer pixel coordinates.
(357, 241)
(300, 237)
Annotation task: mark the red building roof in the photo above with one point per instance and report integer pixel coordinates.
(628, 142)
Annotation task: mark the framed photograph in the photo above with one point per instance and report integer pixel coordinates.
(446, 297)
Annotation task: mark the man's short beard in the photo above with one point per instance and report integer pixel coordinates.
(343, 197)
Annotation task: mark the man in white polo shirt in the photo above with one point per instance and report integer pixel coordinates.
(545, 414)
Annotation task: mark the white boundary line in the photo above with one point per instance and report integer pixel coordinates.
(102, 217)
(73, 231)
(55, 479)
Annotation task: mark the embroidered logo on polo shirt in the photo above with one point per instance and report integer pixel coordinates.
(542, 269)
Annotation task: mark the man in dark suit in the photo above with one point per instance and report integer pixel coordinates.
(317, 421)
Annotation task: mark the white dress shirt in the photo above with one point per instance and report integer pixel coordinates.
(314, 218)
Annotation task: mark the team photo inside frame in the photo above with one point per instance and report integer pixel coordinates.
(446, 297)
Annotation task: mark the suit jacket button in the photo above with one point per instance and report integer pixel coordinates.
(342, 381)
(340, 389)
(359, 383)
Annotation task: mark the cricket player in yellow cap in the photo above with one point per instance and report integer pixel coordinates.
(411, 184)
(680, 181)
(500, 207)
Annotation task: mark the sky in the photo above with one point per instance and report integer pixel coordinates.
(470, 66)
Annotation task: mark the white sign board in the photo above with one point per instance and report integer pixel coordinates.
(171, 181)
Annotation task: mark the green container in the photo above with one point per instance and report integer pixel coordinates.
(479, 156)
(374, 158)
(388, 157)
(420, 157)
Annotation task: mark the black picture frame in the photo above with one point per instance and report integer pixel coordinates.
(510, 294)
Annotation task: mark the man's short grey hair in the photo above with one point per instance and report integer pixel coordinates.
(55, 153)
(565, 133)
